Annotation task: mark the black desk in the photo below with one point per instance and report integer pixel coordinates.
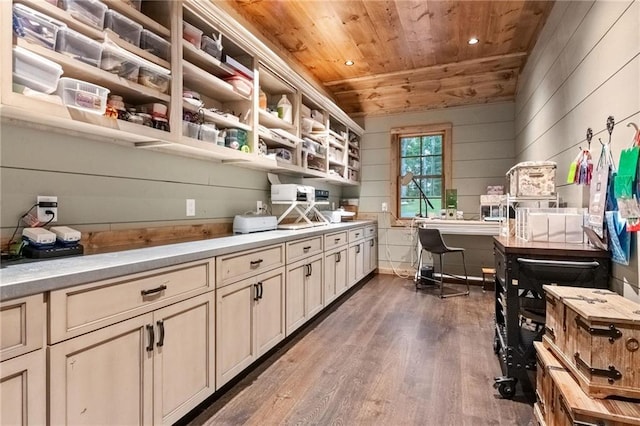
(522, 268)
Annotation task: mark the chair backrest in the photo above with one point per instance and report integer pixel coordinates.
(431, 240)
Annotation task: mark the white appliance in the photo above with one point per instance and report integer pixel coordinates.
(39, 235)
(245, 224)
(66, 234)
(292, 192)
(333, 216)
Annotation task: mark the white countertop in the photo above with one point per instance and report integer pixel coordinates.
(462, 227)
(23, 279)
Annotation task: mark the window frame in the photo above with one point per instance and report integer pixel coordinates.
(408, 131)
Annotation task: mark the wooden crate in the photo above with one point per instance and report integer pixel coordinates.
(546, 361)
(562, 402)
(599, 341)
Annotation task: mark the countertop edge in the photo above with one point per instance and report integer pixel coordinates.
(37, 277)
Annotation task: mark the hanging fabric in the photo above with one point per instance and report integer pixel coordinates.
(619, 238)
(599, 187)
(626, 191)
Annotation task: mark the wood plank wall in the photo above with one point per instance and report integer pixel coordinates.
(483, 141)
(584, 68)
(106, 187)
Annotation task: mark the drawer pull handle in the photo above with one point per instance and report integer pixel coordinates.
(357, 234)
(161, 328)
(338, 257)
(336, 240)
(153, 290)
(372, 243)
(261, 289)
(256, 292)
(255, 263)
(306, 249)
(151, 338)
(358, 249)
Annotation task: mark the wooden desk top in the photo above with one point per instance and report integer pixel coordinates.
(512, 245)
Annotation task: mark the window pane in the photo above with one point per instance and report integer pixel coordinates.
(411, 164)
(409, 207)
(432, 145)
(409, 146)
(432, 165)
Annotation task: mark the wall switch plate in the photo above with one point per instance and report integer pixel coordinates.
(191, 207)
(385, 207)
(49, 203)
(259, 206)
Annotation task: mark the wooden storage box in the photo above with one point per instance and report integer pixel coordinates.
(561, 401)
(532, 179)
(600, 339)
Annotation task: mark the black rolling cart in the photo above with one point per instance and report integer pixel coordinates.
(522, 268)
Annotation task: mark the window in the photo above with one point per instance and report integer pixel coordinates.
(425, 153)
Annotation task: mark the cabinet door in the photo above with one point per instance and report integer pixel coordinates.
(23, 390)
(370, 256)
(21, 325)
(314, 288)
(330, 265)
(374, 255)
(366, 257)
(269, 310)
(356, 264)
(235, 348)
(103, 377)
(295, 299)
(341, 272)
(184, 363)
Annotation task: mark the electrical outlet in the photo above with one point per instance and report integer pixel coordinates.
(385, 207)
(259, 206)
(191, 207)
(47, 203)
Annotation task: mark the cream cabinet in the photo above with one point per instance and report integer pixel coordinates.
(304, 295)
(335, 275)
(356, 256)
(153, 368)
(370, 249)
(250, 321)
(22, 390)
(22, 366)
(245, 264)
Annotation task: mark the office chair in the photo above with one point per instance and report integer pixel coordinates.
(431, 241)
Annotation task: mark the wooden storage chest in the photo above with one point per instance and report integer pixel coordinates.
(598, 340)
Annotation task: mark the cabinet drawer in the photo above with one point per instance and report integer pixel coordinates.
(501, 265)
(370, 231)
(356, 234)
(21, 326)
(80, 309)
(297, 250)
(237, 266)
(336, 239)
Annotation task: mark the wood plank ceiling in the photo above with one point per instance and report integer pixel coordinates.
(409, 54)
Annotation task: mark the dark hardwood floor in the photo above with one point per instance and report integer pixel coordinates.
(385, 355)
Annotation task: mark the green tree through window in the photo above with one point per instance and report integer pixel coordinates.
(421, 155)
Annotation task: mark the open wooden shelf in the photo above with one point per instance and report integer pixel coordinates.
(273, 122)
(197, 79)
(115, 38)
(205, 61)
(271, 141)
(219, 120)
(142, 19)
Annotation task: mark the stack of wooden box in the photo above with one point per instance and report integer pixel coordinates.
(589, 359)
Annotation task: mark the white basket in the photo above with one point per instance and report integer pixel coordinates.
(83, 95)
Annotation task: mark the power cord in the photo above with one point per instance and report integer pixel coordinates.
(18, 226)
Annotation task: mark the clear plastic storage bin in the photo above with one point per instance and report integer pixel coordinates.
(155, 45)
(212, 47)
(34, 71)
(120, 61)
(155, 77)
(91, 12)
(124, 27)
(79, 47)
(36, 27)
(240, 84)
(83, 95)
(192, 34)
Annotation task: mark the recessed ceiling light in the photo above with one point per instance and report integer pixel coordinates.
(473, 40)
(349, 63)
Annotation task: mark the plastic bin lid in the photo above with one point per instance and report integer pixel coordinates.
(24, 9)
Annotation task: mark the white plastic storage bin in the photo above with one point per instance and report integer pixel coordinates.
(124, 27)
(155, 77)
(192, 34)
(83, 95)
(155, 45)
(240, 84)
(120, 61)
(36, 27)
(34, 71)
(79, 47)
(91, 12)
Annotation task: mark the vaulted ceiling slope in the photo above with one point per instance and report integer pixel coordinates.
(408, 54)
